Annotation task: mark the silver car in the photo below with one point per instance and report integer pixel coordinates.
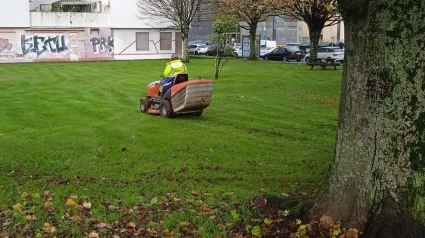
(197, 49)
(328, 52)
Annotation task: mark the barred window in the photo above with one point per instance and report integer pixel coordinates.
(165, 41)
(142, 41)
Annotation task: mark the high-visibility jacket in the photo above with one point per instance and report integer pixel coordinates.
(175, 67)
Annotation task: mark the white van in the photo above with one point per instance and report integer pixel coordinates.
(236, 46)
(267, 46)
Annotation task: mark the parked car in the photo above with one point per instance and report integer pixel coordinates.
(284, 54)
(228, 52)
(198, 49)
(305, 47)
(327, 44)
(292, 44)
(264, 51)
(328, 52)
(236, 46)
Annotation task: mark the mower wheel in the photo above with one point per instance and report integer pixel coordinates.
(198, 113)
(165, 109)
(144, 104)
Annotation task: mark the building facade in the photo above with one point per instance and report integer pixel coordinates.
(282, 30)
(82, 30)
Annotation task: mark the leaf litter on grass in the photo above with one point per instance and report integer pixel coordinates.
(260, 217)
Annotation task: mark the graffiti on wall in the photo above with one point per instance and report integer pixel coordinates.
(73, 45)
(5, 45)
(102, 44)
(98, 43)
(43, 45)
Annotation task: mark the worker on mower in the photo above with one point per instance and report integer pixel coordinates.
(172, 69)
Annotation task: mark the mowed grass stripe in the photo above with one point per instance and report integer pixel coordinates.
(270, 128)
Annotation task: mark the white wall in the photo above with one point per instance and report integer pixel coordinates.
(36, 4)
(14, 13)
(125, 46)
(124, 15)
(69, 19)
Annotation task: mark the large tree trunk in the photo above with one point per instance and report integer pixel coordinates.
(378, 178)
(314, 33)
(253, 41)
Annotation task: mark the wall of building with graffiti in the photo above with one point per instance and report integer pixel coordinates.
(51, 30)
(20, 45)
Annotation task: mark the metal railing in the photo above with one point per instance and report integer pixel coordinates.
(46, 7)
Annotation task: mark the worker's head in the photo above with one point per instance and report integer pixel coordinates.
(174, 57)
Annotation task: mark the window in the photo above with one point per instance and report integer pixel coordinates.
(142, 41)
(165, 41)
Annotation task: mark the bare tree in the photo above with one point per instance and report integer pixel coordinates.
(180, 13)
(317, 14)
(252, 12)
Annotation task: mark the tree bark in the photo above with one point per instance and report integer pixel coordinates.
(185, 56)
(377, 180)
(253, 40)
(314, 32)
(217, 65)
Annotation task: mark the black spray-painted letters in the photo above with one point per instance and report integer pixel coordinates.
(101, 44)
(43, 44)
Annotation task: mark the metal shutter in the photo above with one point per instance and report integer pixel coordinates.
(142, 41)
(165, 41)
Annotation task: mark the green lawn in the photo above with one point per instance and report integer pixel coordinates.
(75, 129)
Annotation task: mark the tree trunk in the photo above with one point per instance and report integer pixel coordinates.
(378, 178)
(185, 56)
(218, 60)
(253, 40)
(314, 32)
(217, 66)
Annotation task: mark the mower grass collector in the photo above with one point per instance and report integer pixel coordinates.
(183, 97)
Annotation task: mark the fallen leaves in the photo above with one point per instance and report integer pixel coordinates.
(87, 205)
(17, 207)
(70, 202)
(76, 218)
(352, 233)
(256, 231)
(151, 218)
(154, 201)
(48, 228)
(93, 234)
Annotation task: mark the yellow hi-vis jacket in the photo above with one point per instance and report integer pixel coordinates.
(175, 67)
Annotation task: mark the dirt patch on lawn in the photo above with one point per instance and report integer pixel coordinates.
(7, 78)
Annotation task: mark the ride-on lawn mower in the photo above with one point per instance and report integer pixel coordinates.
(184, 96)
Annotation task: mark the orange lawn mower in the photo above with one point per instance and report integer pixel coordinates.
(183, 97)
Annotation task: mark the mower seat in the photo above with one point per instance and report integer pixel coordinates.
(180, 78)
